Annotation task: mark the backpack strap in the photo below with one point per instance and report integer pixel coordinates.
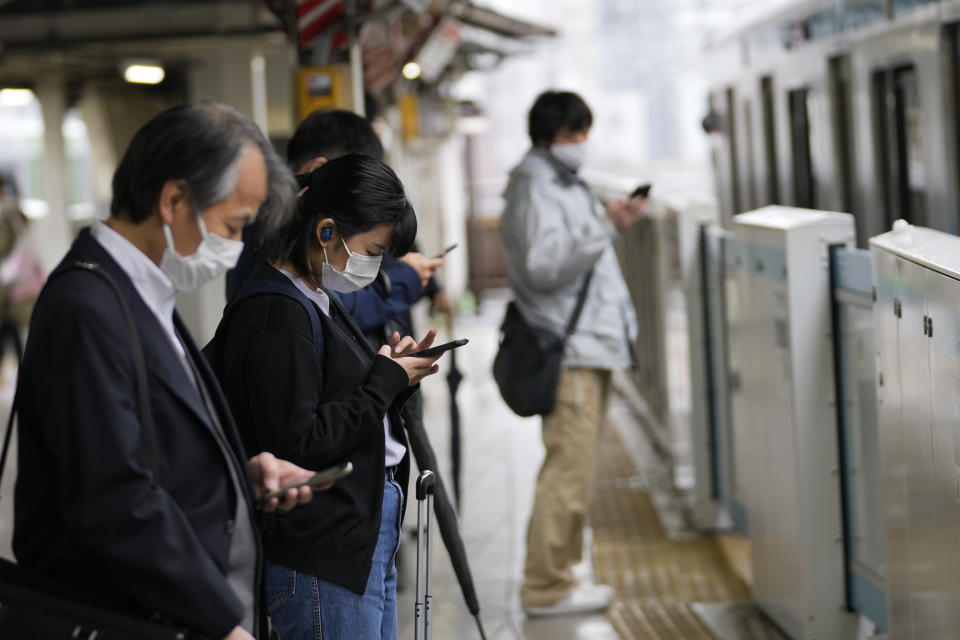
(148, 436)
(269, 287)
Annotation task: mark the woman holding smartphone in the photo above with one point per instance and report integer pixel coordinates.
(324, 397)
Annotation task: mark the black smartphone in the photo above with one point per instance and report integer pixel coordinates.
(447, 249)
(433, 352)
(318, 479)
(642, 191)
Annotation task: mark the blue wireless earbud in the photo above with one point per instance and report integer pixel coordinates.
(326, 233)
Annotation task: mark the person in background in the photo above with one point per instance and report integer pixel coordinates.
(170, 537)
(325, 398)
(324, 135)
(554, 233)
(21, 273)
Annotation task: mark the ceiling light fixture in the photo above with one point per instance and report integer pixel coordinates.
(411, 70)
(144, 73)
(16, 97)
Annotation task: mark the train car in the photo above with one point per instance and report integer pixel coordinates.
(847, 105)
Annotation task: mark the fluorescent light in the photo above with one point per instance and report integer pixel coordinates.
(16, 97)
(144, 74)
(411, 71)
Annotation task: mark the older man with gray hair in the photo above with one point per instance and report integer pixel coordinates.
(133, 489)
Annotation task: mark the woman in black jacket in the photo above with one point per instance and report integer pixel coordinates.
(304, 385)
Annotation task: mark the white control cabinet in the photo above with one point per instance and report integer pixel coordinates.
(916, 277)
(790, 428)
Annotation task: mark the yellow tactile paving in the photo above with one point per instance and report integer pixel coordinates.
(632, 620)
(657, 578)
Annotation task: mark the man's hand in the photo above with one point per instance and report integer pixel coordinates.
(269, 473)
(238, 634)
(417, 368)
(624, 213)
(424, 266)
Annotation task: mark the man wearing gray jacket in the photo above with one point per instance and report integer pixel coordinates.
(554, 233)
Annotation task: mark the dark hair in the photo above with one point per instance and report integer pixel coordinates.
(199, 143)
(358, 192)
(332, 133)
(556, 110)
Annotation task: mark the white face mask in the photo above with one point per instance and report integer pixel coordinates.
(571, 155)
(214, 256)
(358, 272)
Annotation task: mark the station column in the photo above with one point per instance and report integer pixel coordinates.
(54, 228)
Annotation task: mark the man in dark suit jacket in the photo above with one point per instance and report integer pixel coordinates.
(173, 537)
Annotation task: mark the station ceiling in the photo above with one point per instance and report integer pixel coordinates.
(82, 37)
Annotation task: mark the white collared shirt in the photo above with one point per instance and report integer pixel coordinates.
(153, 285)
(393, 449)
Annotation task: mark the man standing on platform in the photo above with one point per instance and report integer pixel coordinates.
(133, 491)
(556, 234)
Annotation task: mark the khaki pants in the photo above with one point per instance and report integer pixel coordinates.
(564, 486)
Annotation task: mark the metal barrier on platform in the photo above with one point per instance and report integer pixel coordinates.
(858, 431)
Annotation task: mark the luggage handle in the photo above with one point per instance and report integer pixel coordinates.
(426, 486)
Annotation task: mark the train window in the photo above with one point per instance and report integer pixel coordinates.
(840, 101)
(862, 13)
(732, 145)
(901, 6)
(769, 140)
(804, 187)
(902, 165)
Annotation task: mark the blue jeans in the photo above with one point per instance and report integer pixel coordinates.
(305, 607)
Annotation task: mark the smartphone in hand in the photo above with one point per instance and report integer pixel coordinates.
(440, 349)
(447, 249)
(318, 479)
(642, 191)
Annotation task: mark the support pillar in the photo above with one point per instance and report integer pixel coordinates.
(237, 78)
(53, 231)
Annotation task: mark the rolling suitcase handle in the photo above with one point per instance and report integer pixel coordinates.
(426, 484)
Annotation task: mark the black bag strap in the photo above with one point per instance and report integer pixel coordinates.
(148, 437)
(578, 309)
(265, 286)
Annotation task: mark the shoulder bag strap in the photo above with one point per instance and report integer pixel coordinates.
(578, 309)
(148, 437)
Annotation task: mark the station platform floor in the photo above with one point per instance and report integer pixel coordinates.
(671, 582)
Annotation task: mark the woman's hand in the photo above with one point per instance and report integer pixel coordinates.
(417, 368)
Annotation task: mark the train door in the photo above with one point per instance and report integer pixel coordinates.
(732, 135)
(770, 141)
(804, 183)
(751, 201)
(952, 39)
(902, 166)
(840, 99)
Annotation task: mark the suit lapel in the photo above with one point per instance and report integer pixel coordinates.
(162, 360)
(213, 389)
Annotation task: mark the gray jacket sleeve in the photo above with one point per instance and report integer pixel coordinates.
(558, 245)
